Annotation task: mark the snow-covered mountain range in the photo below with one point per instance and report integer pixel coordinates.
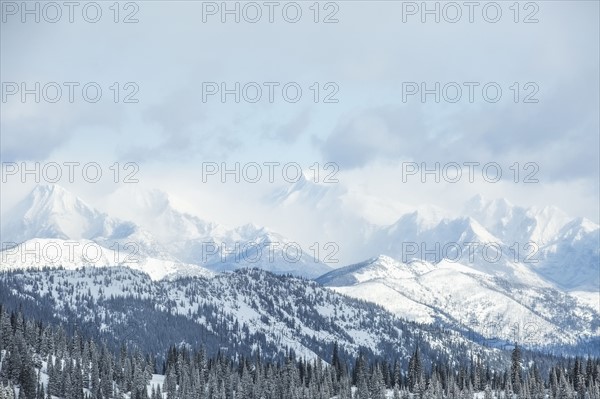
(167, 242)
(462, 297)
(547, 250)
(248, 312)
(502, 271)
